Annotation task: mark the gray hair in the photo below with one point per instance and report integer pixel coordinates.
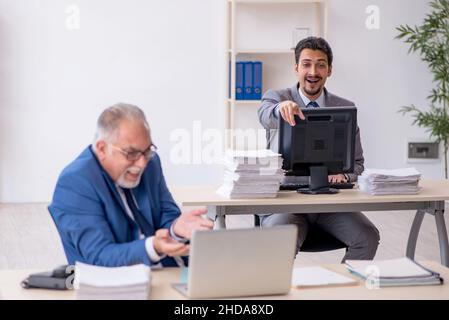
(110, 119)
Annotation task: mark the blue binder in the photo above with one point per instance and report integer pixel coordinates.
(239, 78)
(248, 80)
(257, 80)
(229, 79)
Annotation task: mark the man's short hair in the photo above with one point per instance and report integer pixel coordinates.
(110, 119)
(314, 43)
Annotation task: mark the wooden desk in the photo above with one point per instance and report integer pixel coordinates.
(162, 279)
(430, 200)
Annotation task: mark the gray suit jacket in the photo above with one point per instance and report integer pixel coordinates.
(269, 119)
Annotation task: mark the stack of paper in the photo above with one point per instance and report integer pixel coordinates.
(251, 174)
(130, 282)
(383, 181)
(395, 272)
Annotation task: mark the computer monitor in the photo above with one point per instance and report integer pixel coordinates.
(321, 144)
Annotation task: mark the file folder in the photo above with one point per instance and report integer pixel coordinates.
(229, 80)
(394, 272)
(248, 80)
(257, 80)
(239, 78)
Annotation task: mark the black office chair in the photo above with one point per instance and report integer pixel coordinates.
(317, 239)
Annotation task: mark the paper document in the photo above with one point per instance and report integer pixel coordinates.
(318, 276)
(396, 181)
(128, 282)
(251, 174)
(112, 277)
(394, 272)
(402, 267)
(403, 172)
(241, 154)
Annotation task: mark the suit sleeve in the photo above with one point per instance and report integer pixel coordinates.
(358, 158)
(267, 110)
(81, 222)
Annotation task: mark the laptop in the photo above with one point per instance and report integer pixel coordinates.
(240, 262)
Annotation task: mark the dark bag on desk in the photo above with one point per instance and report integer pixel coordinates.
(60, 278)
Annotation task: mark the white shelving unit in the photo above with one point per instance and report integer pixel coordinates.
(262, 30)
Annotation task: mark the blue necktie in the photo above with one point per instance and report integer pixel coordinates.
(312, 104)
(143, 224)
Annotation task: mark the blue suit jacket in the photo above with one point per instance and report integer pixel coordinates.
(91, 218)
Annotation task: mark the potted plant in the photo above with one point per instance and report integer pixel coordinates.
(431, 41)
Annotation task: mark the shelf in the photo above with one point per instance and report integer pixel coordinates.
(262, 51)
(276, 1)
(247, 102)
(266, 31)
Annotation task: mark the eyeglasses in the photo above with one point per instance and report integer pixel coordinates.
(134, 155)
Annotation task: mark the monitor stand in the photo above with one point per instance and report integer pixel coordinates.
(318, 182)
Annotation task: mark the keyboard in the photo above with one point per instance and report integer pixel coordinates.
(296, 186)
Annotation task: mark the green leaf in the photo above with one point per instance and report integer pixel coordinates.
(431, 41)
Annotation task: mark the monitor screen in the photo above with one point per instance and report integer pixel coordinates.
(326, 138)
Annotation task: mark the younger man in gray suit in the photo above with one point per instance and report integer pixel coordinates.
(313, 66)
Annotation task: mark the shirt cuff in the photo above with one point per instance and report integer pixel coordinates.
(176, 237)
(149, 246)
(352, 177)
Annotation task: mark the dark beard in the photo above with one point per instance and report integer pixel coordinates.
(313, 93)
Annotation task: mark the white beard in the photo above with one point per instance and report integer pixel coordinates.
(122, 182)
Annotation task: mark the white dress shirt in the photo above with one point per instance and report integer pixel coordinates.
(319, 101)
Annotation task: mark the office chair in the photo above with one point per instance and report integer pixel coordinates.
(317, 239)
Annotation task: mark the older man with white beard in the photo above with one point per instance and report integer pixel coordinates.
(111, 205)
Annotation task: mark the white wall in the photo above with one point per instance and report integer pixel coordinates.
(374, 70)
(54, 82)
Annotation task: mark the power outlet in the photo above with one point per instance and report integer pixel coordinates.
(423, 151)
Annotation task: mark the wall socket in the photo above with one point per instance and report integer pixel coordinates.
(423, 151)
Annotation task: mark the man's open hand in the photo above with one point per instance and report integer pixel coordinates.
(164, 244)
(191, 221)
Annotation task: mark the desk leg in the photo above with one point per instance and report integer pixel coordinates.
(217, 215)
(220, 223)
(442, 237)
(413, 236)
